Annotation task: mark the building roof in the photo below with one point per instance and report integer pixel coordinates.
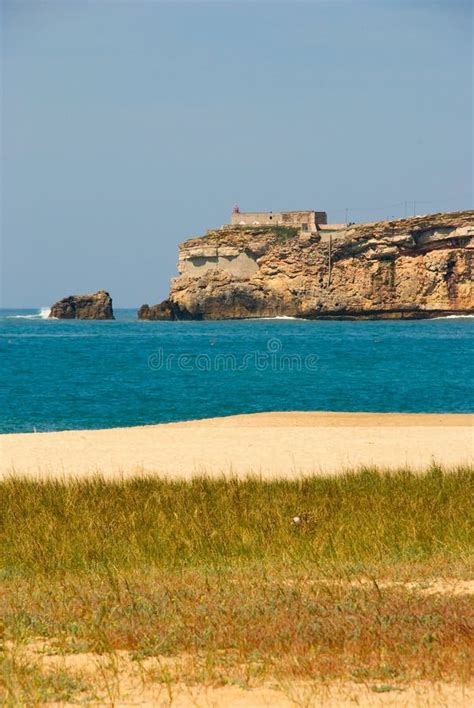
(279, 211)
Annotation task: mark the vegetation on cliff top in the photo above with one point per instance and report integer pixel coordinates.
(356, 231)
(240, 235)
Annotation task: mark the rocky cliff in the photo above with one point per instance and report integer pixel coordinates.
(84, 307)
(406, 268)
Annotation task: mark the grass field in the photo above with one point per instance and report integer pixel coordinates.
(213, 582)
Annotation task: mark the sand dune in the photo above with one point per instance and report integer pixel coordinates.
(271, 444)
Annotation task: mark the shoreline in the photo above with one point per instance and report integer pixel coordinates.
(277, 444)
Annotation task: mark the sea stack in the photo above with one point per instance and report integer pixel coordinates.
(97, 306)
(296, 264)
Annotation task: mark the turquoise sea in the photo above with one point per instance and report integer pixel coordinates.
(59, 375)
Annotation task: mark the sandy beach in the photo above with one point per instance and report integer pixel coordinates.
(284, 444)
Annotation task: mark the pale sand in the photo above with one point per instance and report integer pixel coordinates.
(271, 444)
(120, 681)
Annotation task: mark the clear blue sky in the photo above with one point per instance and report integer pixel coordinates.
(131, 126)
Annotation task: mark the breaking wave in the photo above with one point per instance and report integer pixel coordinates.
(42, 314)
(277, 317)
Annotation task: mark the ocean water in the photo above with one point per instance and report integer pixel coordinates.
(59, 375)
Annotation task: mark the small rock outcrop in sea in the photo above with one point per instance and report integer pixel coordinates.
(97, 306)
(402, 269)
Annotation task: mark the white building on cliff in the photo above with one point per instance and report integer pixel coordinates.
(302, 220)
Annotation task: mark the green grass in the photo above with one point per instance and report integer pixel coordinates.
(353, 521)
(280, 234)
(217, 570)
(284, 233)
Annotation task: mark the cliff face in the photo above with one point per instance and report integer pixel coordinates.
(84, 307)
(407, 268)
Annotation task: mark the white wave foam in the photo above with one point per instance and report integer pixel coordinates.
(278, 317)
(455, 317)
(42, 314)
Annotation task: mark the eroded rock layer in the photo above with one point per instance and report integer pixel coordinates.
(406, 268)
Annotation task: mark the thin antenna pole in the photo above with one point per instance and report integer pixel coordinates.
(330, 259)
